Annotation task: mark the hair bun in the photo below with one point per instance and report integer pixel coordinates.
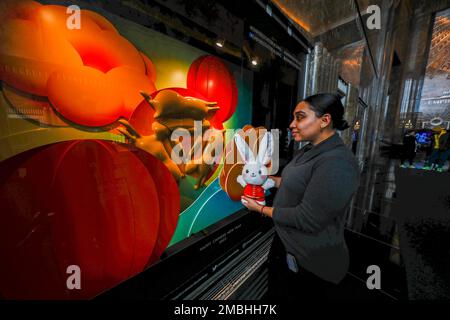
(342, 125)
(330, 103)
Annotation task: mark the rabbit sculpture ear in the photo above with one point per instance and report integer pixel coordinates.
(265, 149)
(244, 149)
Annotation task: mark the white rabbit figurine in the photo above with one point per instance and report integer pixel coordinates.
(255, 174)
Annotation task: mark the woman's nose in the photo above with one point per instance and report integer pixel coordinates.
(292, 125)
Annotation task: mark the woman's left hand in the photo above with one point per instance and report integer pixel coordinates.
(251, 204)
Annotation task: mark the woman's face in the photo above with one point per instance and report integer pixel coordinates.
(306, 126)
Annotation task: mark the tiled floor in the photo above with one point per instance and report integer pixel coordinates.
(420, 165)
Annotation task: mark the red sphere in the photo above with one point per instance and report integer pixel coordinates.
(211, 78)
(90, 203)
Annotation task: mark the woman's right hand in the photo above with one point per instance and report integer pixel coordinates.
(277, 180)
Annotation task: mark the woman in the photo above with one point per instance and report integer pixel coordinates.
(409, 149)
(309, 257)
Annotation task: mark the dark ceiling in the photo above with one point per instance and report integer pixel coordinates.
(319, 16)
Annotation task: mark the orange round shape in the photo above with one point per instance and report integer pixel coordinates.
(105, 50)
(114, 236)
(142, 118)
(34, 64)
(169, 202)
(55, 17)
(128, 83)
(89, 203)
(210, 77)
(84, 96)
(28, 63)
(232, 187)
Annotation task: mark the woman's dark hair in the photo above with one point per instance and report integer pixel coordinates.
(323, 103)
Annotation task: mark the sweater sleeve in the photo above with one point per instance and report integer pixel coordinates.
(332, 185)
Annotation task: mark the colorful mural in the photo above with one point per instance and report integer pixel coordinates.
(86, 177)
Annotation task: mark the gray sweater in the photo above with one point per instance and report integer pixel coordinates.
(309, 208)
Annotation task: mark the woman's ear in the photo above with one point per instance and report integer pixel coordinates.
(325, 121)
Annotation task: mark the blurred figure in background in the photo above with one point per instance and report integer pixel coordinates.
(355, 136)
(439, 143)
(409, 149)
(444, 151)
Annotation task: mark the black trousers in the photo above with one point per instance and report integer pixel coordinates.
(286, 285)
(408, 156)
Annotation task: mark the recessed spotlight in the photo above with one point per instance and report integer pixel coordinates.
(220, 43)
(254, 62)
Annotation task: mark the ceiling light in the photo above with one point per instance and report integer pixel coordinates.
(220, 43)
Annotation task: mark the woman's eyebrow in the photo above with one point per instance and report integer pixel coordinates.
(299, 113)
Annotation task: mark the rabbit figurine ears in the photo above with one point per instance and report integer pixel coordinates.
(265, 149)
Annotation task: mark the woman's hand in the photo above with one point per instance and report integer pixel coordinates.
(277, 181)
(252, 205)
